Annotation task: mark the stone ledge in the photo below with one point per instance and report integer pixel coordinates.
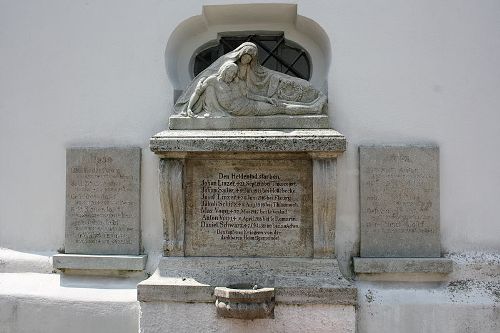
(99, 262)
(296, 281)
(402, 265)
(177, 122)
(249, 141)
(12, 261)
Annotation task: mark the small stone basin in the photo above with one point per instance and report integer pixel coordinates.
(244, 301)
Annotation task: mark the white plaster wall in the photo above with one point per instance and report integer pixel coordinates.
(421, 71)
(429, 311)
(462, 302)
(93, 73)
(41, 303)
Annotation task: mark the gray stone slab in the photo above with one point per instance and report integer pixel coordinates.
(399, 201)
(402, 265)
(177, 122)
(103, 201)
(302, 140)
(99, 262)
(249, 208)
(297, 281)
(172, 200)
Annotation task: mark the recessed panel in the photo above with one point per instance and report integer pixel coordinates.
(249, 208)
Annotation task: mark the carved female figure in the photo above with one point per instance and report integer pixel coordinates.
(225, 92)
(253, 90)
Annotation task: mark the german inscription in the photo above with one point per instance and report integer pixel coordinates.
(249, 208)
(399, 197)
(103, 200)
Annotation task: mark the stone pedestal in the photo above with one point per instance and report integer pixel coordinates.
(201, 317)
(249, 208)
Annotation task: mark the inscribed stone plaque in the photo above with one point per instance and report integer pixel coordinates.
(103, 200)
(249, 208)
(399, 201)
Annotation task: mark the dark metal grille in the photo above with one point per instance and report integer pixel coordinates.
(275, 52)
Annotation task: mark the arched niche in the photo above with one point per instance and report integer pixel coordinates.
(196, 31)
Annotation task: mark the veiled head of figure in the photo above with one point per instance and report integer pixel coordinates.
(228, 71)
(248, 52)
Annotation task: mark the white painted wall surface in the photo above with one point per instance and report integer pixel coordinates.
(93, 73)
(42, 303)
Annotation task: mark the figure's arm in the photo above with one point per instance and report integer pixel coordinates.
(258, 98)
(200, 88)
(261, 98)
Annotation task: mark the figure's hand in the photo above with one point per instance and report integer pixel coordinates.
(274, 101)
(277, 103)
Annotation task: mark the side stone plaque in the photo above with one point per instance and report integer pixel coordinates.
(249, 208)
(103, 201)
(399, 201)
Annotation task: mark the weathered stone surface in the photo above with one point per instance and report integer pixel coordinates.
(249, 208)
(99, 262)
(201, 317)
(177, 122)
(247, 304)
(399, 201)
(324, 207)
(403, 265)
(183, 141)
(296, 280)
(103, 200)
(236, 85)
(216, 168)
(171, 176)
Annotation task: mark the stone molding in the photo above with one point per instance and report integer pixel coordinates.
(171, 143)
(99, 262)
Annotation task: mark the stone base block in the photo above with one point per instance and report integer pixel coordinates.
(99, 262)
(296, 281)
(248, 303)
(202, 317)
(280, 121)
(402, 269)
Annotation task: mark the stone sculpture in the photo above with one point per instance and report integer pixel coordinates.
(237, 85)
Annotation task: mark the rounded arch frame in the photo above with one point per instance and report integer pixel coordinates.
(196, 31)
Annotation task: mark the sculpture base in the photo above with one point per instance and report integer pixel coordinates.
(296, 281)
(264, 122)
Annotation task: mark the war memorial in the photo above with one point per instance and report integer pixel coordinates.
(249, 167)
